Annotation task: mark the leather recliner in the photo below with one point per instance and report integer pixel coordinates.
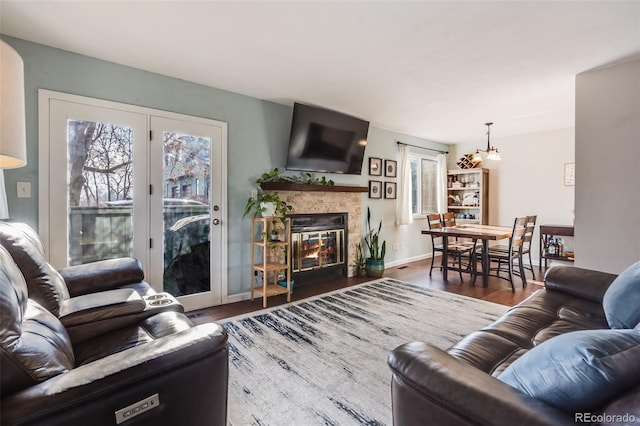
(88, 299)
(159, 370)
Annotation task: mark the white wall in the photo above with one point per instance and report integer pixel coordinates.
(608, 167)
(529, 180)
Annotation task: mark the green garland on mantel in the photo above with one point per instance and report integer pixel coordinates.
(276, 175)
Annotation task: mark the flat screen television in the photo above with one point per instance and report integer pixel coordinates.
(326, 141)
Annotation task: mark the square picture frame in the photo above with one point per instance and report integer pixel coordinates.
(390, 168)
(375, 166)
(390, 190)
(375, 189)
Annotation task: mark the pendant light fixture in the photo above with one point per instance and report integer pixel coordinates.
(492, 151)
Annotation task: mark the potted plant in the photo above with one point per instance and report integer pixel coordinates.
(274, 231)
(374, 264)
(267, 204)
(359, 262)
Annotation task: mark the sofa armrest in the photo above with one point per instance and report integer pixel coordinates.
(102, 275)
(101, 305)
(584, 283)
(188, 370)
(429, 384)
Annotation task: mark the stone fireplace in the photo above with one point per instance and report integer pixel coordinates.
(313, 199)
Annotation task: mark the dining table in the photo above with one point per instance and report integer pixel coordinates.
(473, 231)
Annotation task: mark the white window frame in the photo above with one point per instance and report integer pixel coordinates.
(419, 157)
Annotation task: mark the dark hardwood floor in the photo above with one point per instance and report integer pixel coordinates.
(498, 291)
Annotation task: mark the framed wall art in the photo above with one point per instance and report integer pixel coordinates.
(375, 166)
(375, 189)
(390, 190)
(390, 168)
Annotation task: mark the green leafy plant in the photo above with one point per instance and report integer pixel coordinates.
(276, 175)
(359, 261)
(257, 205)
(377, 250)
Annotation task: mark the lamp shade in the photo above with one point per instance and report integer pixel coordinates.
(13, 138)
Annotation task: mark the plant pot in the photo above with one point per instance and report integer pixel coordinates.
(269, 209)
(283, 283)
(362, 272)
(374, 268)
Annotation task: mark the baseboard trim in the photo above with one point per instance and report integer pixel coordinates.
(407, 260)
(239, 297)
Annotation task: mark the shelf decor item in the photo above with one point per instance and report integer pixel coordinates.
(467, 161)
(267, 204)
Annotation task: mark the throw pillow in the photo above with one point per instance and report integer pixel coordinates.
(578, 371)
(620, 301)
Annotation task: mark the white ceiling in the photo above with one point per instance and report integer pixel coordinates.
(437, 70)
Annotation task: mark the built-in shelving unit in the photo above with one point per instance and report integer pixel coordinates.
(468, 195)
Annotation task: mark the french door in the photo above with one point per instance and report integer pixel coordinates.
(118, 180)
(185, 215)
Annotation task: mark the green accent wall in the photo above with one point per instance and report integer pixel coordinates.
(258, 135)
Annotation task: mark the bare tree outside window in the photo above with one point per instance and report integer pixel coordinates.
(99, 163)
(99, 171)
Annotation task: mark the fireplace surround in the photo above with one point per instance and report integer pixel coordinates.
(311, 199)
(319, 246)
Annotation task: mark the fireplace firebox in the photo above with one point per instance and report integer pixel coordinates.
(319, 247)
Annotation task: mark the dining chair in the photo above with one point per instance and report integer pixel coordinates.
(449, 220)
(512, 256)
(526, 245)
(454, 250)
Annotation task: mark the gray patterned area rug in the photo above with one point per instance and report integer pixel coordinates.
(323, 360)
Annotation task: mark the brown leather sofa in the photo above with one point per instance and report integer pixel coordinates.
(94, 344)
(459, 386)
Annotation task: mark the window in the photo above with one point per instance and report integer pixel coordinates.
(424, 184)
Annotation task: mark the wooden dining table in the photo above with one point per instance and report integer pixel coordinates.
(485, 233)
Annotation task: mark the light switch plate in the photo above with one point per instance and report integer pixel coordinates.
(24, 189)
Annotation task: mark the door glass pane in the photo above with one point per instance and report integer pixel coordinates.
(186, 203)
(100, 191)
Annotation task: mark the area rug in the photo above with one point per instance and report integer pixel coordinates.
(323, 360)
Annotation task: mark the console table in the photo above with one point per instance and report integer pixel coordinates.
(546, 233)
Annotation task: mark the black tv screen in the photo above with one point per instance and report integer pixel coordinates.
(326, 141)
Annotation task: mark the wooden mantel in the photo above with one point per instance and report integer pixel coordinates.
(288, 186)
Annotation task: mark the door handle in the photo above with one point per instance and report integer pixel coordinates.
(216, 221)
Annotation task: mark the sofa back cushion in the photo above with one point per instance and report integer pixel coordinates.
(46, 286)
(620, 302)
(34, 346)
(578, 371)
